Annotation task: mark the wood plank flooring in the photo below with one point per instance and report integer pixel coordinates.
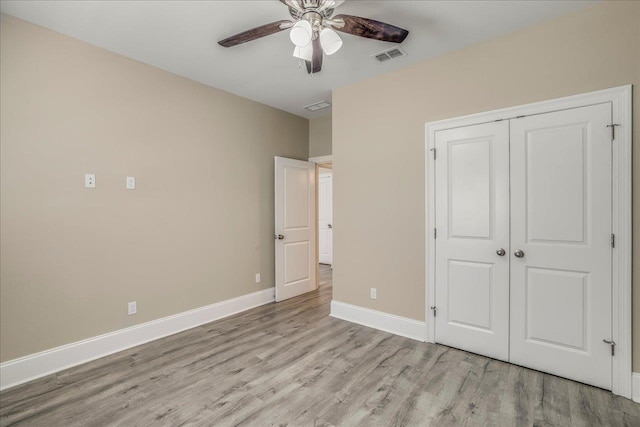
(290, 364)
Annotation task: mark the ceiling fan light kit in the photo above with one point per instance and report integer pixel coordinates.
(301, 33)
(330, 41)
(313, 30)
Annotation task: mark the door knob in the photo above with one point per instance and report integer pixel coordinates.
(519, 254)
(329, 225)
(279, 237)
(501, 252)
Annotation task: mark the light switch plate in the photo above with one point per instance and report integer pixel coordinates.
(131, 183)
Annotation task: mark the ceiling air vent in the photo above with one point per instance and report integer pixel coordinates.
(390, 54)
(317, 106)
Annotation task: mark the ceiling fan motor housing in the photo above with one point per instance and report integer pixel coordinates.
(303, 7)
(307, 4)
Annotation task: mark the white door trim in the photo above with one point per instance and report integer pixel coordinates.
(620, 99)
(321, 159)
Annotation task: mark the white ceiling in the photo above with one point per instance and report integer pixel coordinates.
(181, 37)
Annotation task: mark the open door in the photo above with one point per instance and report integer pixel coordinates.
(295, 227)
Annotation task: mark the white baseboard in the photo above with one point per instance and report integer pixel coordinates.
(635, 387)
(397, 325)
(37, 365)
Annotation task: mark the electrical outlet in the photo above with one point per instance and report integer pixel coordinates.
(374, 293)
(90, 180)
(258, 278)
(132, 308)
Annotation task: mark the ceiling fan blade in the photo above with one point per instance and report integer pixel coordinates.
(255, 33)
(315, 65)
(369, 28)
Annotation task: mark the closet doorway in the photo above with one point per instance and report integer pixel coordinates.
(525, 210)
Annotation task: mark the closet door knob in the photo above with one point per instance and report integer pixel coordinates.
(519, 254)
(501, 252)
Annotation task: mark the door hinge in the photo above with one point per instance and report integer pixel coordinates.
(613, 240)
(434, 309)
(612, 343)
(434, 152)
(613, 130)
(435, 233)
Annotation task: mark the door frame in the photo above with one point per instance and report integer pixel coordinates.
(620, 99)
(322, 159)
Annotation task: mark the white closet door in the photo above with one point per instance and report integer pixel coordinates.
(472, 221)
(561, 221)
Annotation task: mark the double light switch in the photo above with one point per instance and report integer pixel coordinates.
(90, 181)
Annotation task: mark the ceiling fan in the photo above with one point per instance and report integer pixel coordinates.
(312, 30)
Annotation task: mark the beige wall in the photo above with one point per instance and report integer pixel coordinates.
(194, 232)
(381, 217)
(320, 136)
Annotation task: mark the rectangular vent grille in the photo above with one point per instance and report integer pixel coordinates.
(388, 55)
(317, 106)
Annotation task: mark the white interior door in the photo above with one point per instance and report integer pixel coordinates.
(472, 223)
(325, 218)
(561, 223)
(295, 227)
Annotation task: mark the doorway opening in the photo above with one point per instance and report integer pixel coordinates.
(324, 210)
(325, 214)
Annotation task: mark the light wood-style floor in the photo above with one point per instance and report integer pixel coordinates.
(291, 364)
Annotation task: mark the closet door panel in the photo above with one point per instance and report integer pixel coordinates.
(472, 208)
(561, 223)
